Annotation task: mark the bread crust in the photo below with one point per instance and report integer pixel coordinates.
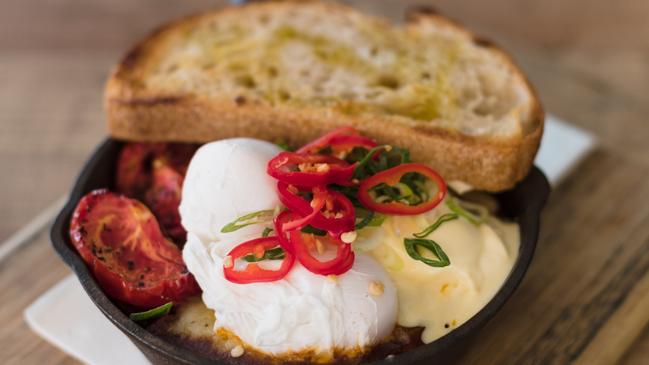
(485, 163)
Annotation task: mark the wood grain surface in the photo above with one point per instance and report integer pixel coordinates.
(586, 297)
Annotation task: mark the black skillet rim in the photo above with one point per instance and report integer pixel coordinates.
(534, 187)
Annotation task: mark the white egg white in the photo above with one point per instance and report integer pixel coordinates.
(226, 180)
(304, 311)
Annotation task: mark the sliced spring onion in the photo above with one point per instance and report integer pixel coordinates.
(312, 230)
(404, 190)
(152, 313)
(378, 159)
(421, 189)
(430, 229)
(365, 220)
(369, 219)
(386, 193)
(411, 248)
(267, 231)
(247, 220)
(459, 210)
(377, 220)
(276, 253)
(283, 145)
(361, 164)
(383, 199)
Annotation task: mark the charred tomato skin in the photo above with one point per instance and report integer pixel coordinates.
(122, 244)
(154, 174)
(134, 165)
(163, 198)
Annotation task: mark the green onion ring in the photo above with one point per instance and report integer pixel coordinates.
(152, 313)
(444, 218)
(411, 248)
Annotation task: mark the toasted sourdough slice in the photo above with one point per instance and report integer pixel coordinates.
(289, 70)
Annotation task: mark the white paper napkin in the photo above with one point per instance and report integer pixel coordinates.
(66, 317)
(563, 146)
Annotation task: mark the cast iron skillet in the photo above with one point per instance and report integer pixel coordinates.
(523, 203)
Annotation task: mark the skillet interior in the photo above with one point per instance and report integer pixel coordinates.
(523, 204)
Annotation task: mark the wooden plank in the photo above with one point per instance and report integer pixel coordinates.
(27, 274)
(639, 352)
(582, 270)
(622, 329)
(46, 130)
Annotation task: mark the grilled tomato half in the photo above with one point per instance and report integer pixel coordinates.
(134, 167)
(121, 241)
(154, 173)
(163, 198)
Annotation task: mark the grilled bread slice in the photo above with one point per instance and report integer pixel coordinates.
(292, 70)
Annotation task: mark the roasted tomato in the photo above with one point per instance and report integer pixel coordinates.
(134, 167)
(179, 154)
(163, 198)
(154, 173)
(121, 242)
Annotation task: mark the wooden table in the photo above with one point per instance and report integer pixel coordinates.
(586, 296)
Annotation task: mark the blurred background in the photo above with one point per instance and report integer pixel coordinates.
(589, 60)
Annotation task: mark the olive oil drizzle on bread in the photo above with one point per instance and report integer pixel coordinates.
(293, 70)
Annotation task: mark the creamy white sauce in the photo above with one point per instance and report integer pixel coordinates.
(440, 299)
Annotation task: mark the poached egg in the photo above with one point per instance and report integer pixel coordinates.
(302, 313)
